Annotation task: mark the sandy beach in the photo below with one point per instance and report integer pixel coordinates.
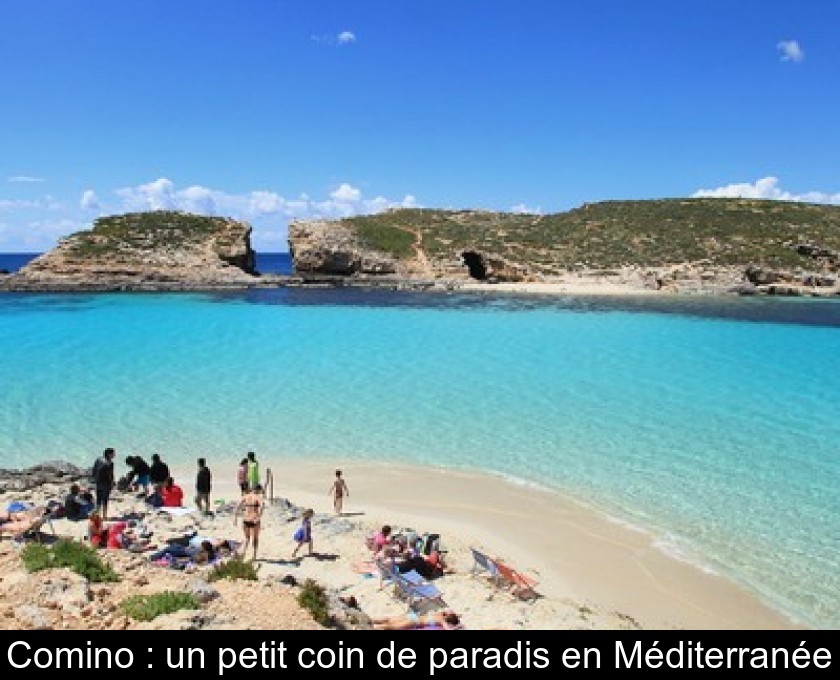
(593, 572)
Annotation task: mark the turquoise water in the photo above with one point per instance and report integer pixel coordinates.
(712, 423)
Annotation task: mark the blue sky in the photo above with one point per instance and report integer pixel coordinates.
(268, 110)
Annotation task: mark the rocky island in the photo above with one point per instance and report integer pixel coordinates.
(675, 245)
(703, 245)
(160, 250)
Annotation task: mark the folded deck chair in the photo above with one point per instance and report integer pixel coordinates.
(522, 586)
(483, 563)
(416, 591)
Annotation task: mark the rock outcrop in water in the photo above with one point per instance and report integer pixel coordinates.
(161, 249)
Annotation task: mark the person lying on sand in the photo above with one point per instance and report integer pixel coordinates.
(17, 523)
(442, 620)
(19, 516)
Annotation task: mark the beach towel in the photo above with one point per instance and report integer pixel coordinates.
(367, 569)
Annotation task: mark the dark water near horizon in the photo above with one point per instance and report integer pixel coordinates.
(267, 263)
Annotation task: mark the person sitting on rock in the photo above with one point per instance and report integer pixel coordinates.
(78, 504)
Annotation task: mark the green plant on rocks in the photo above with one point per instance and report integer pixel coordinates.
(313, 598)
(232, 570)
(78, 557)
(149, 607)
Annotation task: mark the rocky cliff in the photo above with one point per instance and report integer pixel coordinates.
(675, 244)
(148, 249)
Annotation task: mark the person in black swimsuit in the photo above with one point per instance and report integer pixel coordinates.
(252, 506)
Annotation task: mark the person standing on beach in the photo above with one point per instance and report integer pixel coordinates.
(203, 483)
(253, 471)
(252, 507)
(159, 472)
(242, 476)
(304, 532)
(103, 480)
(338, 491)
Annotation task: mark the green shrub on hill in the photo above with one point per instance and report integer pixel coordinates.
(234, 569)
(313, 598)
(613, 234)
(144, 231)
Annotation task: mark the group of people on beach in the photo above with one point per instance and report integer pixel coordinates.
(403, 551)
(154, 483)
(157, 487)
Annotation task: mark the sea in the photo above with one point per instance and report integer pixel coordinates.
(711, 423)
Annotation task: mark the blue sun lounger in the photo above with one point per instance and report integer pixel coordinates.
(416, 591)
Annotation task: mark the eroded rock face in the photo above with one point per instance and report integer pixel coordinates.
(153, 247)
(322, 247)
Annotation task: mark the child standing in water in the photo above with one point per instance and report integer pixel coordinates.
(338, 491)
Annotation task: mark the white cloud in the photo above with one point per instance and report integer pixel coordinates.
(343, 38)
(40, 235)
(790, 51)
(766, 188)
(522, 209)
(24, 178)
(35, 224)
(156, 195)
(89, 200)
(8, 205)
(346, 194)
(268, 211)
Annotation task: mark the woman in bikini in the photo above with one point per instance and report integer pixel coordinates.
(251, 506)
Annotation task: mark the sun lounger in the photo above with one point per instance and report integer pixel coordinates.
(522, 586)
(417, 592)
(483, 563)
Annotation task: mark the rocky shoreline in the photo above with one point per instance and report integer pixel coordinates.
(62, 599)
(472, 251)
(778, 285)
